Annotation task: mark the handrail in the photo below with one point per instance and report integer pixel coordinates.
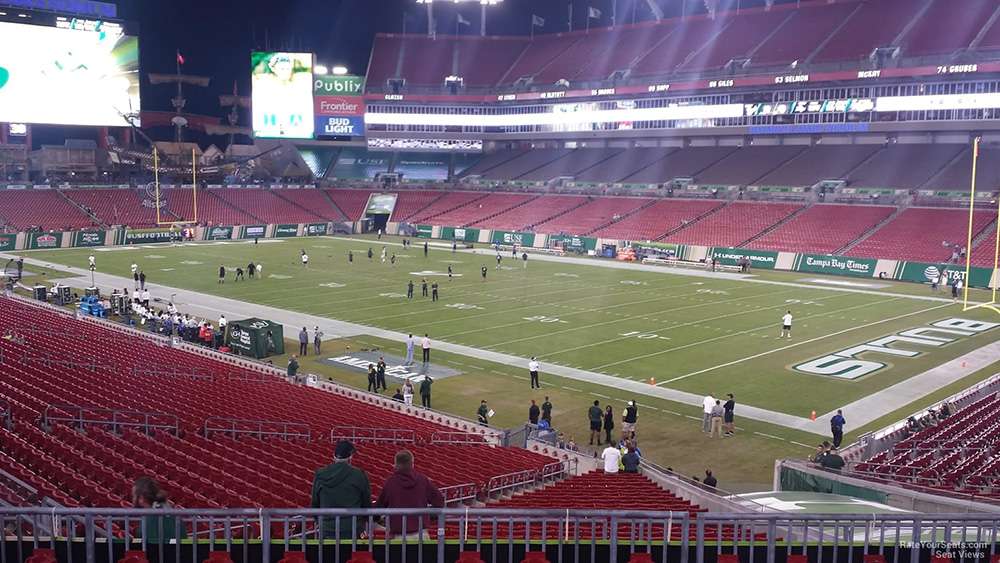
(508, 481)
(368, 434)
(48, 359)
(449, 437)
(77, 416)
(459, 493)
(564, 468)
(260, 428)
(199, 374)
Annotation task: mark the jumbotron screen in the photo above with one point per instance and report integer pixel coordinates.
(79, 72)
(282, 94)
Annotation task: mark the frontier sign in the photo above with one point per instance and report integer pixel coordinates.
(846, 365)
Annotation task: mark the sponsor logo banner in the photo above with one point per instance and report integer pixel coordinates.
(219, 233)
(573, 244)
(254, 231)
(339, 105)
(911, 343)
(511, 238)
(315, 229)
(283, 231)
(8, 242)
(927, 273)
(331, 85)
(759, 259)
(458, 233)
(425, 231)
(838, 265)
(348, 126)
(45, 240)
(90, 238)
(150, 236)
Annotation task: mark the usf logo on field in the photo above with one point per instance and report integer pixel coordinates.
(846, 365)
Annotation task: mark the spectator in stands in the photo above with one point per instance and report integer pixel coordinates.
(706, 418)
(710, 480)
(303, 342)
(729, 416)
(340, 485)
(547, 411)
(837, 428)
(406, 488)
(631, 460)
(147, 494)
(533, 412)
(595, 416)
(821, 450)
(145, 298)
(293, 368)
(397, 396)
(425, 391)
(317, 339)
(483, 413)
(612, 456)
(832, 460)
(717, 413)
(609, 423)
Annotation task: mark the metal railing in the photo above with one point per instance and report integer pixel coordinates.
(80, 417)
(496, 534)
(453, 438)
(359, 434)
(233, 427)
(196, 373)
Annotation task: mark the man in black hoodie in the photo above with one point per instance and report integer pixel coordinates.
(408, 489)
(341, 485)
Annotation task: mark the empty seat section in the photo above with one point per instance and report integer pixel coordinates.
(984, 254)
(734, 224)
(818, 163)
(957, 176)
(571, 164)
(658, 219)
(670, 53)
(592, 215)
(917, 233)
(746, 165)
(211, 208)
(351, 202)
(683, 163)
(449, 201)
(265, 205)
(315, 201)
(824, 228)
(568, 64)
(875, 24)
(991, 39)
(904, 166)
(623, 164)
(490, 161)
(129, 207)
(524, 164)
(385, 57)
(737, 39)
(539, 53)
(483, 62)
(962, 18)
(534, 212)
(427, 61)
(619, 50)
(410, 202)
(480, 209)
(809, 26)
(22, 209)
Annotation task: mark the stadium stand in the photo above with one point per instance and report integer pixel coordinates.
(957, 176)
(211, 208)
(819, 162)
(734, 224)
(118, 207)
(427, 61)
(592, 215)
(809, 24)
(737, 37)
(655, 221)
(684, 163)
(746, 165)
(490, 161)
(262, 203)
(538, 54)
(524, 164)
(408, 203)
(45, 209)
(479, 60)
(903, 166)
(917, 233)
(350, 202)
(964, 19)
(571, 164)
(313, 200)
(481, 209)
(623, 164)
(532, 213)
(984, 253)
(448, 202)
(823, 228)
(870, 25)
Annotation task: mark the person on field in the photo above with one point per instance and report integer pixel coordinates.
(317, 339)
(303, 342)
(372, 379)
(596, 417)
(533, 412)
(425, 392)
(786, 325)
(717, 413)
(340, 485)
(251, 270)
(483, 413)
(533, 373)
(380, 373)
(706, 408)
(547, 411)
(629, 421)
(409, 349)
(409, 289)
(305, 259)
(609, 423)
(484, 270)
(434, 291)
(837, 428)
(728, 416)
(425, 346)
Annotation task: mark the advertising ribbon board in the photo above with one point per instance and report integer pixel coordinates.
(89, 238)
(285, 231)
(254, 231)
(147, 236)
(7, 242)
(573, 244)
(925, 273)
(219, 233)
(45, 240)
(511, 238)
(458, 233)
(759, 259)
(836, 265)
(315, 229)
(425, 231)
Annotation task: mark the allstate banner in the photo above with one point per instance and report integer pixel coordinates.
(45, 240)
(284, 231)
(254, 231)
(512, 238)
(88, 238)
(759, 259)
(925, 273)
(7, 242)
(837, 265)
(219, 233)
(340, 126)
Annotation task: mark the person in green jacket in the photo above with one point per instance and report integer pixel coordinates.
(483, 414)
(341, 485)
(425, 391)
(146, 493)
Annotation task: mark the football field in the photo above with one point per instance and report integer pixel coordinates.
(691, 333)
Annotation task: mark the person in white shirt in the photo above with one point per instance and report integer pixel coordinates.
(305, 259)
(259, 268)
(956, 288)
(706, 418)
(135, 268)
(425, 344)
(93, 261)
(222, 322)
(135, 295)
(533, 371)
(145, 298)
(408, 393)
(383, 255)
(786, 325)
(612, 456)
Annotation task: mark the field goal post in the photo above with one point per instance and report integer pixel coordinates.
(992, 304)
(194, 192)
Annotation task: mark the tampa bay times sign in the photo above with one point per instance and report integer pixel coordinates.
(911, 343)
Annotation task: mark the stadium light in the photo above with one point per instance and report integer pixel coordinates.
(319, 69)
(431, 31)
(339, 70)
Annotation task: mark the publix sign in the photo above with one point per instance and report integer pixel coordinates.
(846, 364)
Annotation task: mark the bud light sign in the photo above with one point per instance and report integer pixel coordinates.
(350, 126)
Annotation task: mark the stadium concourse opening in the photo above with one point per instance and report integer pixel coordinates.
(482, 281)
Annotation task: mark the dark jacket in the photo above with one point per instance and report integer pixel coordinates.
(341, 485)
(832, 461)
(167, 524)
(631, 462)
(533, 412)
(408, 489)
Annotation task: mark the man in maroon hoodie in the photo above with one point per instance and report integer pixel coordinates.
(408, 489)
